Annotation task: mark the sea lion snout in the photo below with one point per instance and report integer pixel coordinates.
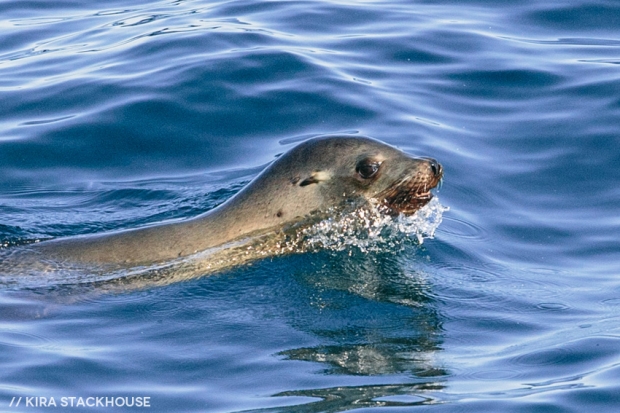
(411, 190)
(435, 167)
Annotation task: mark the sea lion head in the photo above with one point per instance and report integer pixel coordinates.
(345, 170)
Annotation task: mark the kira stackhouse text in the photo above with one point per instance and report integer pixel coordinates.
(74, 401)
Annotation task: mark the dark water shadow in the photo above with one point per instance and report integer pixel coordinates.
(373, 319)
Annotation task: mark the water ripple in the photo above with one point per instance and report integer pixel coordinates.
(127, 113)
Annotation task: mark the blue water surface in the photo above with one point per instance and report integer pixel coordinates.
(119, 114)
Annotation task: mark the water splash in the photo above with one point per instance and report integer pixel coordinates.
(369, 229)
(372, 230)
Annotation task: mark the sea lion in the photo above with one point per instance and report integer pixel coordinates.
(299, 188)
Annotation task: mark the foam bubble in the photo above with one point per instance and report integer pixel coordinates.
(371, 229)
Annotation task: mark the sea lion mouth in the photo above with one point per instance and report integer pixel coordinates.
(410, 193)
(407, 202)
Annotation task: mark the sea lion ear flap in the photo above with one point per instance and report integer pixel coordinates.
(315, 178)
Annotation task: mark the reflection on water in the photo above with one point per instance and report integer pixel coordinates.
(340, 399)
(367, 340)
(385, 357)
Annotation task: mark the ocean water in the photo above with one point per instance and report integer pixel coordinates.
(124, 113)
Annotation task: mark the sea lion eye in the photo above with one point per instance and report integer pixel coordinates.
(367, 168)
